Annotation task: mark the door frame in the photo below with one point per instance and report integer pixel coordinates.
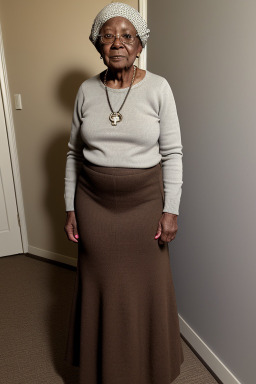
(142, 61)
(12, 145)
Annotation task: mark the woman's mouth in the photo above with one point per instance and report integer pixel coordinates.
(116, 57)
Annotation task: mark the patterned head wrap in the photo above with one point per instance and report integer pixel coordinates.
(123, 10)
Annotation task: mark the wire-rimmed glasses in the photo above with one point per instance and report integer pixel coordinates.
(125, 38)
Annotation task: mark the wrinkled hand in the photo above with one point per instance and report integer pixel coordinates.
(71, 226)
(167, 227)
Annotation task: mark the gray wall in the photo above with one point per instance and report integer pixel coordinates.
(206, 50)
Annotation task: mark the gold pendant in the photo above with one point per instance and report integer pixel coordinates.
(115, 117)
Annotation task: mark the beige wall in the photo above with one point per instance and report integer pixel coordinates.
(206, 49)
(48, 55)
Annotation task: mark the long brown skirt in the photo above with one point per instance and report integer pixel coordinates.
(123, 325)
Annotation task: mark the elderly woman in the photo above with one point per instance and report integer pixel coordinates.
(123, 185)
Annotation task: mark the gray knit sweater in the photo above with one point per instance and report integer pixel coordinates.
(149, 132)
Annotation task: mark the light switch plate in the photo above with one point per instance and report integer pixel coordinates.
(17, 99)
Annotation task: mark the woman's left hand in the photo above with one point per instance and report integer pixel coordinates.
(167, 228)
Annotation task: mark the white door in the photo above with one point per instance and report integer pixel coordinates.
(10, 235)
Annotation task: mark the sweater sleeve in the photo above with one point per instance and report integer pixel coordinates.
(170, 148)
(75, 153)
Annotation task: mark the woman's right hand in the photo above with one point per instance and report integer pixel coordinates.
(71, 227)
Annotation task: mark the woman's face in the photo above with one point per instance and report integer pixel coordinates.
(127, 52)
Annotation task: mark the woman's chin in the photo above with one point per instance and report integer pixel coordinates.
(118, 64)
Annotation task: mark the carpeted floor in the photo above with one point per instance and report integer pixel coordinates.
(35, 300)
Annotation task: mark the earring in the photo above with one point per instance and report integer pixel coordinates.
(101, 57)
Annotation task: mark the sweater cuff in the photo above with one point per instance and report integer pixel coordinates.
(171, 207)
(69, 202)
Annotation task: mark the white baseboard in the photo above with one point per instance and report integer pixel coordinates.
(209, 357)
(52, 256)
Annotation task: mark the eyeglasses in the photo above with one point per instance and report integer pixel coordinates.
(125, 38)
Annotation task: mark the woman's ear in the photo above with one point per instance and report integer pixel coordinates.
(139, 47)
(98, 47)
(139, 51)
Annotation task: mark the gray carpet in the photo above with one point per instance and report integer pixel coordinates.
(35, 300)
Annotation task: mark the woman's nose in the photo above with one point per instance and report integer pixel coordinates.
(117, 41)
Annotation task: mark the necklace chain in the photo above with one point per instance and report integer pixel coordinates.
(116, 117)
